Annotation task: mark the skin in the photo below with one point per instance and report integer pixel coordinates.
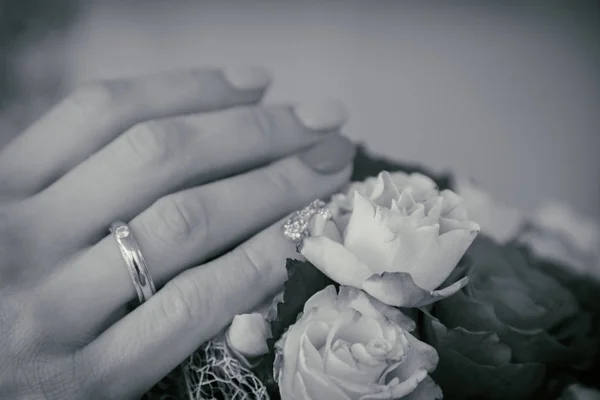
(205, 176)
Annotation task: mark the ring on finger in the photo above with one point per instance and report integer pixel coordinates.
(136, 263)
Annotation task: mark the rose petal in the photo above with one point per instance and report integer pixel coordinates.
(356, 390)
(318, 385)
(298, 391)
(510, 298)
(317, 332)
(353, 327)
(497, 220)
(341, 349)
(323, 298)
(368, 237)
(360, 354)
(289, 344)
(427, 390)
(384, 191)
(453, 206)
(483, 348)
(421, 356)
(319, 225)
(440, 255)
(369, 306)
(339, 363)
(379, 348)
(541, 346)
(335, 261)
(401, 389)
(534, 345)
(577, 391)
(462, 378)
(399, 289)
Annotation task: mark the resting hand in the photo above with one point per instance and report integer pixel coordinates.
(192, 183)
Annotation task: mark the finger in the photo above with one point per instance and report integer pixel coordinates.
(94, 115)
(189, 310)
(190, 227)
(153, 160)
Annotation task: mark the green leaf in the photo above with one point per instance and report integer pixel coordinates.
(304, 280)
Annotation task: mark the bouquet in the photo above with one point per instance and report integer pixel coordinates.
(412, 286)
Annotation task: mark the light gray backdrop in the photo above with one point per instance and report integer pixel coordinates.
(508, 95)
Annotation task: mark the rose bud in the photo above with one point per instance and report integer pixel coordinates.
(248, 333)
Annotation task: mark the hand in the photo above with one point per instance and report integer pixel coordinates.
(193, 184)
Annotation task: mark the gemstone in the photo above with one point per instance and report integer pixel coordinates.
(122, 232)
(296, 226)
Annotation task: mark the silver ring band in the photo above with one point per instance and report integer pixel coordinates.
(136, 264)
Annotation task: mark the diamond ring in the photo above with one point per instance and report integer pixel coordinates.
(295, 227)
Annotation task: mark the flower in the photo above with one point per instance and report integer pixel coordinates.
(395, 236)
(580, 392)
(350, 346)
(556, 233)
(495, 336)
(498, 221)
(248, 333)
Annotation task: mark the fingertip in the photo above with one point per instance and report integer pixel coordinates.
(331, 155)
(323, 115)
(250, 78)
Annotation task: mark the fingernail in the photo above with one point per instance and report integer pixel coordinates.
(248, 78)
(323, 116)
(330, 155)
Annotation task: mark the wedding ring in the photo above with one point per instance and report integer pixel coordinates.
(295, 227)
(136, 264)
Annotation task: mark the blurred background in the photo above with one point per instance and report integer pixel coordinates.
(507, 93)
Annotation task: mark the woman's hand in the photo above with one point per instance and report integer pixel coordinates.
(193, 184)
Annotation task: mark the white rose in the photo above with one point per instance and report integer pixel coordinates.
(349, 346)
(498, 221)
(397, 237)
(557, 233)
(578, 391)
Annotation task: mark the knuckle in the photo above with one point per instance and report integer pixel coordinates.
(149, 142)
(171, 220)
(184, 300)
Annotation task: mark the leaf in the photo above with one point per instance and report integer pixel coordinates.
(562, 336)
(367, 165)
(476, 365)
(303, 281)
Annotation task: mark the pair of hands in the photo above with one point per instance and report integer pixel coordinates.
(197, 166)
